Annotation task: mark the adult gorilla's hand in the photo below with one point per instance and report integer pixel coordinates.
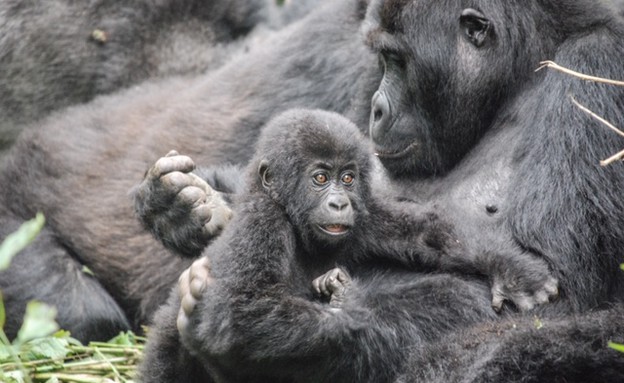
(178, 207)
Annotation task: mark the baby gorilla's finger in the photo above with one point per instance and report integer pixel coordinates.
(174, 163)
(202, 213)
(199, 276)
(342, 276)
(175, 181)
(195, 180)
(183, 285)
(182, 322)
(221, 215)
(188, 304)
(316, 285)
(191, 196)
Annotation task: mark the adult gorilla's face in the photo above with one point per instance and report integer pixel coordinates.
(447, 69)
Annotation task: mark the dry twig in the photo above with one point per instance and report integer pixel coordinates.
(551, 64)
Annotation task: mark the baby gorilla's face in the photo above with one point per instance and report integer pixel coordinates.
(331, 193)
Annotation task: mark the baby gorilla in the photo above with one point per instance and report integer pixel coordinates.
(308, 208)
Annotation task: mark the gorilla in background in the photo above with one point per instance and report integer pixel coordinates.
(58, 53)
(78, 166)
(461, 120)
(310, 206)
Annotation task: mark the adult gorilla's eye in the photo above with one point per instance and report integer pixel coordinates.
(475, 26)
(392, 59)
(347, 179)
(320, 179)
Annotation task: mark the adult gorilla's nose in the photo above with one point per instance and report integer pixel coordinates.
(380, 117)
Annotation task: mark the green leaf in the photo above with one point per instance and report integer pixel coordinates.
(66, 335)
(123, 339)
(622, 266)
(16, 242)
(616, 346)
(5, 352)
(14, 377)
(38, 322)
(45, 348)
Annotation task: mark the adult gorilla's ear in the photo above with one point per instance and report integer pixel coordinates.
(475, 25)
(265, 175)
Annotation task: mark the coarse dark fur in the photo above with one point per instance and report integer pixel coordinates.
(58, 53)
(261, 320)
(78, 166)
(571, 349)
(521, 176)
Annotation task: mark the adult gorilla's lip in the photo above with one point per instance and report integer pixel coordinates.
(334, 229)
(396, 154)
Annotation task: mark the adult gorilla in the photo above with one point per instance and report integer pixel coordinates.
(465, 125)
(58, 53)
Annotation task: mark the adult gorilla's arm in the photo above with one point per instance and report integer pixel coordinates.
(568, 206)
(422, 239)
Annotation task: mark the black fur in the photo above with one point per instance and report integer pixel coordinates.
(571, 349)
(78, 166)
(260, 320)
(522, 175)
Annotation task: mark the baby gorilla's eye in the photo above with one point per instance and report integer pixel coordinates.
(348, 179)
(320, 179)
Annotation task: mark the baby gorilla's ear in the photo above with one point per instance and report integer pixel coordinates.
(265, 175)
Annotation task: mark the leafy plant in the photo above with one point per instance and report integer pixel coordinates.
(43, 353)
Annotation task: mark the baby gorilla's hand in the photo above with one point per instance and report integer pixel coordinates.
(191, 286)
(334, 285)
(178, 207)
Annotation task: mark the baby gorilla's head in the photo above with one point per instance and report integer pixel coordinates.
(316, 164)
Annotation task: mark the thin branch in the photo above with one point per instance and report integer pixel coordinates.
(555, 66)
(597, 117)
(616, 157)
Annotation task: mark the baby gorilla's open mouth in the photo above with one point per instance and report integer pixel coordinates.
(334, 229)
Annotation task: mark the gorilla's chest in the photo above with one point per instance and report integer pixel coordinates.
(474, 195)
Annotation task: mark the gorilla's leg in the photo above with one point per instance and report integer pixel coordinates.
(47, 272)
(530, 349)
